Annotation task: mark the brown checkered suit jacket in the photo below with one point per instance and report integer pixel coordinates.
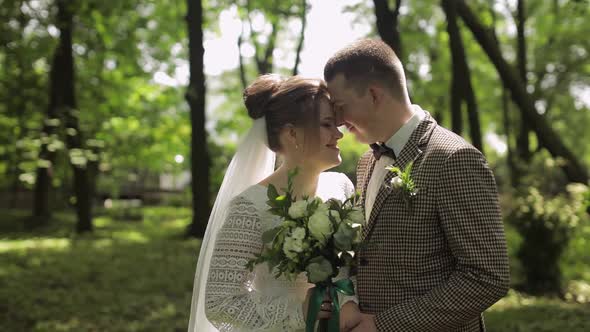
(437, 263)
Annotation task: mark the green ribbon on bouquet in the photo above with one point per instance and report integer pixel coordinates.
(344, 286)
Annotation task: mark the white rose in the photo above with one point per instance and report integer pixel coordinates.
(397, 182)
(298, 209)
(320, 226)
(298, 233)
(319, 269)
(322, 208)
(292, 246)
(356, 216)
(336, 215)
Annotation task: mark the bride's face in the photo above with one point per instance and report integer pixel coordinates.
(327, 154)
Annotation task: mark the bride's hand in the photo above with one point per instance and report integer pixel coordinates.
(325, 308)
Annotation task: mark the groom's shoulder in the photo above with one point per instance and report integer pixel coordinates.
(364, 160)
(444, 142)
(365, 157)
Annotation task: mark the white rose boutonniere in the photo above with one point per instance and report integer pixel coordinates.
(403, 181)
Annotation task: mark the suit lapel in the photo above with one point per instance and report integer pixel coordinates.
(411, 152)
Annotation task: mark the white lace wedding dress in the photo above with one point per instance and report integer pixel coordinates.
(239, 300)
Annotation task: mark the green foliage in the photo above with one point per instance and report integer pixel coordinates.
(547, 224)
(587, 202)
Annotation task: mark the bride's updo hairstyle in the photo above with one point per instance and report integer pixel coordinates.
(286, 101)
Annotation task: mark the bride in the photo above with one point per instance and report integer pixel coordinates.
(293, 119)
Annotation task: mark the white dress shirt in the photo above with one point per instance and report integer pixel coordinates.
(397, 143)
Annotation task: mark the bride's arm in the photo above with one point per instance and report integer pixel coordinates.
(349, 190)
(231, 303)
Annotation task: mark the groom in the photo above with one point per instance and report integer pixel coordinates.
(433, 260)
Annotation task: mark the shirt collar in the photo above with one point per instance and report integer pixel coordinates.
(401, 137)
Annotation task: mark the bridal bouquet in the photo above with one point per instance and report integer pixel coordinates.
(315, 237)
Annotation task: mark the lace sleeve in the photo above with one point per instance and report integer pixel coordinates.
(347, 185)
(231, 303)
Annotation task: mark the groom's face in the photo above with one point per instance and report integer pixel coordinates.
(351, 107)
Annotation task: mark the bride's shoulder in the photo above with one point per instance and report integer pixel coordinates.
(335, 177)
(251, 196)
(338, 184)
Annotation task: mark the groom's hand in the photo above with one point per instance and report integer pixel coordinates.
(350, 316)
(367, 324)
(325, 308)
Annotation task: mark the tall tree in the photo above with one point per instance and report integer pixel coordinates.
(62, 106)
(573, 167)
(264, 55)
(195, 97)
(243, 78)
(41, 210)
(301, 37)
(461, 87)
(522, 142)
(74, 139)
(387, 24)
(508, 130)
(264, 41)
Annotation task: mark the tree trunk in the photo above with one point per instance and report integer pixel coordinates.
(456, 58)
(243, 78)
(195, 97)
(265, 65)
(473, 115)
(93, 169)
(509, 155)
(301, 37)
(387, 24)
(574, 169)
(263, 58)
(461, 88)
(522, 142)
(44, 174)
(456, 97)
(74, 139)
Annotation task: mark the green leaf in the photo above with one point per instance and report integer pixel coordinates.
(270, 235)
(272, 192)
(393, 169)
(408, 168)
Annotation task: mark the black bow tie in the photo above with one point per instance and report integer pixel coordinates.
(380, 149)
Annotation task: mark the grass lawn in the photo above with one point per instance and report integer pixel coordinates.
(127, 276)
(137, 276)
(517, 313)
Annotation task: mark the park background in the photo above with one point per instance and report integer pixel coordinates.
(103, 103)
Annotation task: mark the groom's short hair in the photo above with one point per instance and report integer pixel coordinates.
(368, 61)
